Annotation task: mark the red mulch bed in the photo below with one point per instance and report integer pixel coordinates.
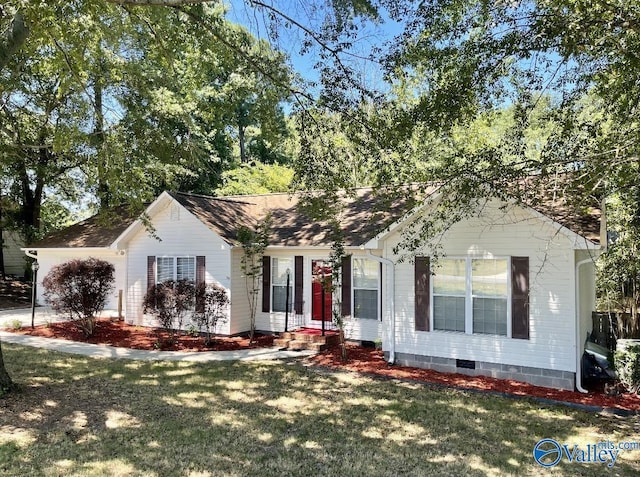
(119, 333)
(371, 361)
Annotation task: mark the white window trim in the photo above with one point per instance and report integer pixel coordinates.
(291, 285)
(468, 300)
(175, 265)
(377, 289)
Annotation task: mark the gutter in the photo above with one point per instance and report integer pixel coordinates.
(29, 253)
(392, 302)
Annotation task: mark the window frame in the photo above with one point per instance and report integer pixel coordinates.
(291, 284)
(469, 295)
(377, 289)
(174, 259)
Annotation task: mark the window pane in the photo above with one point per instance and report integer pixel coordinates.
(279, 268)
(450, 277)
(490, 316)
(164, 269)
(186, 268)
(489, 278)
(365, 273)
(448, 313)
(365, 304)
(280, 297)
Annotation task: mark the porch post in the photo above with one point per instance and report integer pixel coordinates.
(286, 305)
(322, 296)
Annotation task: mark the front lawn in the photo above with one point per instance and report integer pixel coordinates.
(83, 416)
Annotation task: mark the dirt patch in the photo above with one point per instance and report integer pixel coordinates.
(119, 333)
(370, 360)
(14, 294)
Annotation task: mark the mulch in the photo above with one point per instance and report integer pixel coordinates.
(361, 359)
(123, 335)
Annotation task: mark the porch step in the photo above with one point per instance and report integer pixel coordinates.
(282, 342)
(299, 340)
(302, 344)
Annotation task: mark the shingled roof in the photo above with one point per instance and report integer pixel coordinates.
(365, 216)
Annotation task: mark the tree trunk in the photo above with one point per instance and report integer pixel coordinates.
(2, 271)
(243, 149)
(103, 192)
(6, 384)
(15, 38)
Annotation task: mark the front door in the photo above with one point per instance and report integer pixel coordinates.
(320, 273)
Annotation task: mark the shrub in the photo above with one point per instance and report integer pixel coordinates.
(211, 308)
(628, 367)
(170, 302)
(79, 289)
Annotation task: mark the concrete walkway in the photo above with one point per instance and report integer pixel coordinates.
(103, 351)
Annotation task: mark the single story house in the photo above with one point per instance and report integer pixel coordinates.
(509, 295)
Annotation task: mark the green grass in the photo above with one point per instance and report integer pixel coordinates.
(80, 416)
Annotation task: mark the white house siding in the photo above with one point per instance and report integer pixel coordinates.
(14, 258)
(552, 342)
(48, 258)
(178, 234)
(355, 329)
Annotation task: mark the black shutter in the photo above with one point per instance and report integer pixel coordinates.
(422, 293)
(151, 272)
(520, 297)
(298, 286)
(346, 286)
(266, 284)
(200, 283)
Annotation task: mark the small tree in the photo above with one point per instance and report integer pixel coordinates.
(254, 243)
(211, 308)
(170, 302)
(336, 257)
(79, 289)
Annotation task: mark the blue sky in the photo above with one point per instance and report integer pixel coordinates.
(290, 40)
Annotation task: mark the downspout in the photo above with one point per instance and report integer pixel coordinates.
(29, 254)
(392, 302)
(578, 334)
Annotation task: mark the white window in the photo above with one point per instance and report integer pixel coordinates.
(471, 296)
(280, 267)
(175, 268)
(366, 288)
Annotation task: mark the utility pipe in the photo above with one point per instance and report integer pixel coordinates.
(392, 302)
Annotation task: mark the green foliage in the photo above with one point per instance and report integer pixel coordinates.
(212, 304)
(618, 282)
(628, 367)
(255, 178)
(254, 242)
(170, 302)
(120, 102)
(79, 289)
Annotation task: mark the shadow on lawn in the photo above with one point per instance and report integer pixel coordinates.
(82, 416)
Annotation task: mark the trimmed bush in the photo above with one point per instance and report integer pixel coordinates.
(170, 302)
(628, 367)
(211, 308)
(79, 289)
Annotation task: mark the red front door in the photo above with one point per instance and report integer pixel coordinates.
(320, 273)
